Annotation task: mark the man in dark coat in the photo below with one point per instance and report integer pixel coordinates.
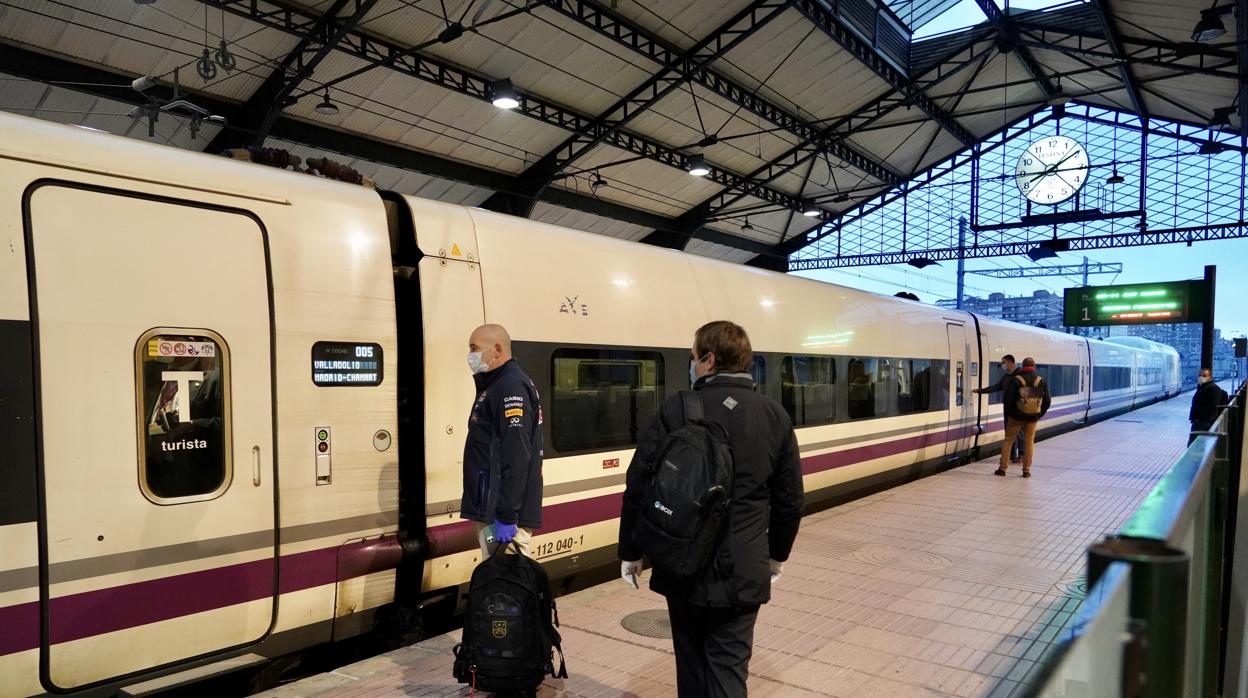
(1026, 382)
(1011, 368)
(713, 614)
(1209, 396)
(503, 449)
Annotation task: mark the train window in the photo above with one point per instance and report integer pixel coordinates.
(915, 379)
(862, 377)
(807, 391)
(1062, 380)
(603, 398)
(1110, 378)
(183, 416)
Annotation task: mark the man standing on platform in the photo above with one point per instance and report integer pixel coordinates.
(503, 449)
(713, 610)
(1209, 396)
(1011, 368)
(1026, 400)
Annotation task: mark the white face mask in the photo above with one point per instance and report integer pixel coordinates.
(1202, 380)
(476, 363)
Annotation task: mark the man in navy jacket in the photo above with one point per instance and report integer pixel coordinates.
(503, 450)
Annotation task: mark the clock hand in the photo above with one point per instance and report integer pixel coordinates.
(1052, 169)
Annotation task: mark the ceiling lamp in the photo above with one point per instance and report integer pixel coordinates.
(327, 107)
(1040, 252)
(1059, 98)
(922, 263)
(1114, 178)
(841, 198)
(503, 95)
(1210, 27)
(697, 166)
(810, 209)
(1212, 148)
(746, 225)
(597, 182)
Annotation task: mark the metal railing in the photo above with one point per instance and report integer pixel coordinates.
(1165, 611)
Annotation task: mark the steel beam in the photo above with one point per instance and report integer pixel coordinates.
(1043, 32)
(1167, 236)
(642, 98)
(643, 42)
(828, 22)
(115, 86)
(1009, 37)
(1106, 16)
(1056, 270)
(260, 112)
(299, 22)
(1241, 52)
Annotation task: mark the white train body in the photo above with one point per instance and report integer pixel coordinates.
(165, 312)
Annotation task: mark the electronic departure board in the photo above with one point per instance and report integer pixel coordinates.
(1137, 304)
(353, 364)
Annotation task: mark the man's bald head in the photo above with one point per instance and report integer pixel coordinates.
(494, 344)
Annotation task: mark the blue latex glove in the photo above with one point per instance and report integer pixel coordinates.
(504, 532)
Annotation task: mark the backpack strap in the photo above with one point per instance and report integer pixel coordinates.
(691, 406)
(1021, 381)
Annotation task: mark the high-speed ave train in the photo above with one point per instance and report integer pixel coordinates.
(233, 398)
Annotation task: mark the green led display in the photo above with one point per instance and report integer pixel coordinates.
(1170, 301)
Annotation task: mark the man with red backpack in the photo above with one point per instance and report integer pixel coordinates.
(1026, 400)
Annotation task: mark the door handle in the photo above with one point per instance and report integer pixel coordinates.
(255, 466)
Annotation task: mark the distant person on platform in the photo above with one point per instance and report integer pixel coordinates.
(1026, 401)
(1209, 396)
(503, 449)
(1010, 367)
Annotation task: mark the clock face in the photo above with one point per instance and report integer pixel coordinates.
(1052, 170)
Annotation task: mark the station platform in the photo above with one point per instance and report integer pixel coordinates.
(953, 585)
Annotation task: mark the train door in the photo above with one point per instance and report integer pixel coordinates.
(961, 416)
(154, 351)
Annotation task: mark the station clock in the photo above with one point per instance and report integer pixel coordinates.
(1052, 170)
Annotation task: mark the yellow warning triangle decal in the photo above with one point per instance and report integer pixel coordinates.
(455, 251)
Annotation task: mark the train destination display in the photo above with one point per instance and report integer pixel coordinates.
(1137, 304)
(346, 364)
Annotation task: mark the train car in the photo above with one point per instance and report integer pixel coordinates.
(234, 398)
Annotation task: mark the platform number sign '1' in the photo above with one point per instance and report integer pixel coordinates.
(1139, 304)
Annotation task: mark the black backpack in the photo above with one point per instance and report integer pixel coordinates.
(688, 491)
(509, 627)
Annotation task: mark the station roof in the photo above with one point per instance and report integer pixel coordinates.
(794, 106)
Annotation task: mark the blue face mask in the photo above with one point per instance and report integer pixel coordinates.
(693, 373)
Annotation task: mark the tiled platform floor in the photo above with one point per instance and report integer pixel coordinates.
(950, 586)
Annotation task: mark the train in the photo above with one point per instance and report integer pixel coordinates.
(234, 398)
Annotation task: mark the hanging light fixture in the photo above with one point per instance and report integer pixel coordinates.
(597, 182)
(1212, 148)
(327, 107)
(1059, 98)
(1040, 252)
(503, 95)
(922, 263)
(697, 166)
(1114, 178)
(1210, 27)
(810, 209)
(841, 198)
(746, 225)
